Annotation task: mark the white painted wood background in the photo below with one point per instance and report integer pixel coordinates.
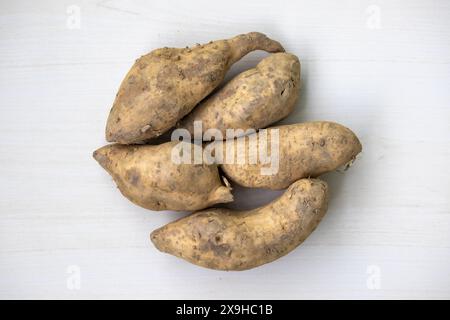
(380, 67)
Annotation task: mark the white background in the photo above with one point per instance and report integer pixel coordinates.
(381, 68)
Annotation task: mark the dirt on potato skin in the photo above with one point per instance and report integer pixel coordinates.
(166, 84)
(224, 239)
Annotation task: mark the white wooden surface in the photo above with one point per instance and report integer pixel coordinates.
(380, 67)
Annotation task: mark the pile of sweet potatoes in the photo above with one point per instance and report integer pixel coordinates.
(225, 135)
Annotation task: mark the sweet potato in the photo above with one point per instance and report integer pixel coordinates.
(254, 99)
(224, 239)
(304, 150)
(166, 84)
(148, 176)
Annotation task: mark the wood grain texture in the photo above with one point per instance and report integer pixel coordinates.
(388, 79)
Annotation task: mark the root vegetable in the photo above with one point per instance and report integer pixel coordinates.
(225, 239)
(166, 84)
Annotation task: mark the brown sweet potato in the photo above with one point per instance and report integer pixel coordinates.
(148, 176)
(254, 99)
(305, 150)
(224, 239)
(166, 84)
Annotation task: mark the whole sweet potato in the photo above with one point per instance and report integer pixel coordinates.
(164, 85)
(224, 239)
(148, 176)
(254, 99)
(304, 150)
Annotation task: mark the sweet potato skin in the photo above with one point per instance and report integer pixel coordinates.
(254, 99)
(305, 150)
(224, 239)
(147, 176)
(164, 85)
